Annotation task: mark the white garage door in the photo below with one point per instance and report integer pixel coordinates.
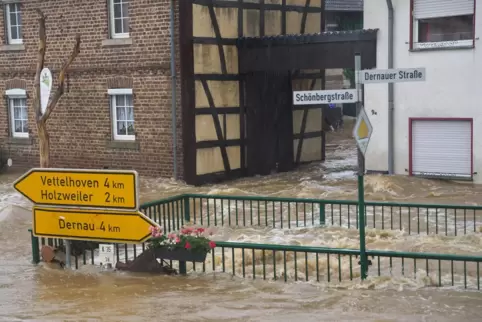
(442, 148)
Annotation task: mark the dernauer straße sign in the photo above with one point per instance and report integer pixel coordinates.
(392, 75)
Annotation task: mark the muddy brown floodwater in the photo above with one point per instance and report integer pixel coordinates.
(40, 293)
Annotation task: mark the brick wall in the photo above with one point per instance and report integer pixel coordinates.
(80, 127)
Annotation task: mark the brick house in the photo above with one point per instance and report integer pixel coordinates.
(116, 111)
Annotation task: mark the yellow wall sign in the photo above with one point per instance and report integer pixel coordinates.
(80, 188)
(121, 227)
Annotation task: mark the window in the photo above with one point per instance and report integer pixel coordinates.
(13, 19)
(18, 111)
(443, 23)
(119, 18)
(122, 114)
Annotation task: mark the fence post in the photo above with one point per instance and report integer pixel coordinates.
(187, 210)
(182, 268)
(361, 213)
(322, 214)
(35, 248)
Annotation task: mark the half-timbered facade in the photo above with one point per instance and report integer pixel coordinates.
(241, 61)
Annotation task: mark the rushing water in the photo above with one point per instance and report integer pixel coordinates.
(42, 293)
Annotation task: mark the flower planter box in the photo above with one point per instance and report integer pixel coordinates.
(182, 255)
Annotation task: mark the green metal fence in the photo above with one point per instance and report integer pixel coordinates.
(293, 263)
(171, 213)
(257, 211)
(300, 263)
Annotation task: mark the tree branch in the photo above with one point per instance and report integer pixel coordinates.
(42, 46)
(61, 80)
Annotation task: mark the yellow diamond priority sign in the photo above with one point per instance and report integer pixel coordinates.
(362, 131)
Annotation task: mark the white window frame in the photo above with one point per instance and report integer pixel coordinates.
(113, 95)
(19, 40)
(16, 93)
(112, 18)
(437, 44)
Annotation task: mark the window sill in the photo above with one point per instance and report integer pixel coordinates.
(442, 48)
(13, 47)
(444, 45)
(127, 145)
(116, 42)
(19, 141)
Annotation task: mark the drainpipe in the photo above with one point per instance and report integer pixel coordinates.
(173, 91)
(391, 143)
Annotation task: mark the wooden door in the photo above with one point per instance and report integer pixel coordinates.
(269, 122)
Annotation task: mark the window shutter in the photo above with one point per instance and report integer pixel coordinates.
(109, 31)
(424, 9)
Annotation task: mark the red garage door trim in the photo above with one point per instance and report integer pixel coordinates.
(410, 138)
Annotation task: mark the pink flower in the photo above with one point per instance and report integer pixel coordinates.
(157, 234)
(172, 236)
(212, 244)
(200, 230)
(178, 240)
(187, 230)
(187, 245)
(155, 231)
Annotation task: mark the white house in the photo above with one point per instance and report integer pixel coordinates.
(437, 124)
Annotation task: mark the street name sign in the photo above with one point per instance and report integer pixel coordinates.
(362, 131)
(95, 225)
(325, 97)
(369, 76)
(105, 189)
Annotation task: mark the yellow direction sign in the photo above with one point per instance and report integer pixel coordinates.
(116, 227)
(108, 189)
(362, 131)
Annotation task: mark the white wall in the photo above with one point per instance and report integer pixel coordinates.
(450, 89)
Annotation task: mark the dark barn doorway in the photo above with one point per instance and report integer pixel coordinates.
(269, 122)
(268, 66)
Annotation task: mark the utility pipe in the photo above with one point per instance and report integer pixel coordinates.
(173, 91)
(391, 106)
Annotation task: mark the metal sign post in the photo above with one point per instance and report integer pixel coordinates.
(362, 132)
(68, 252)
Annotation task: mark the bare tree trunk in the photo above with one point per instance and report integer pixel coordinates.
(44, 145)
(41, 128)
(41, 120)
